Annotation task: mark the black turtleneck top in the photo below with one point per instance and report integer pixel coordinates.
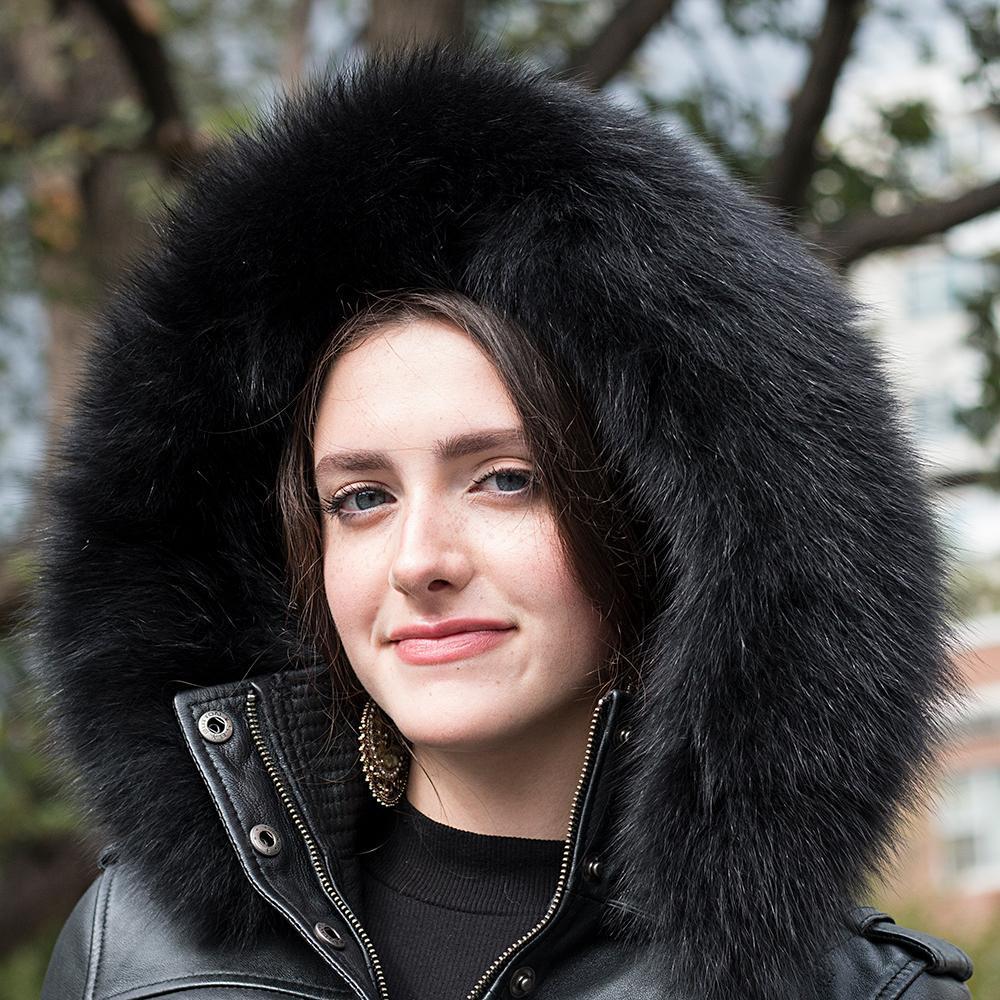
(441, 904)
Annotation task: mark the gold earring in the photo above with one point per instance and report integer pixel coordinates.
(384, 759)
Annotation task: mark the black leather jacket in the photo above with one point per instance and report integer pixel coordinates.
(263, 770)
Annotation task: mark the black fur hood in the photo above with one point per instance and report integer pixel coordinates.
(795, 663)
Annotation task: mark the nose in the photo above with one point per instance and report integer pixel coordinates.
(431, 549)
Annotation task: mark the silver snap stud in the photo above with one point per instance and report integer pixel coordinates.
(522, 982)
(265, 840)
(593, 869)
(216, 727)
(325, 932)
(623, 734)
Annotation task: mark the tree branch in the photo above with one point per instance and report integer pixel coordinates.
(855, 237)
(968, 477)
(787, 179)
(607, 53)
(36, 99)
(135, 27)
(395, 22)
(296, 45)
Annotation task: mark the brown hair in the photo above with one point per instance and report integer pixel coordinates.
(573, 478)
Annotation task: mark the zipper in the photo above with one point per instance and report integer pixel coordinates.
(563, 870)
(314, 855)
(338, 900)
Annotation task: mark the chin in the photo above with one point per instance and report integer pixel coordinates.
(451, 724)
(453, 739)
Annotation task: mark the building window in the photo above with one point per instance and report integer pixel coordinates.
(969, 828)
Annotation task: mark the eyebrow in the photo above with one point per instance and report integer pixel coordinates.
(455, 446)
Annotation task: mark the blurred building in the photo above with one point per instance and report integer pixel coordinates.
(949, 871)
(951, 866)
(964, 854)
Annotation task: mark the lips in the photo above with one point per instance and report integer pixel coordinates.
(455, 646)
(445, 627)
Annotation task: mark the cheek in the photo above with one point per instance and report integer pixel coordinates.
(548, 588)
(350, 594)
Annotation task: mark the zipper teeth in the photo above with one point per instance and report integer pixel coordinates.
(314, 856)
(265, 756)
(563, 870)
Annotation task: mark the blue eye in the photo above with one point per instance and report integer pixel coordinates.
(508, 474)
(365, 491)
(332, 505)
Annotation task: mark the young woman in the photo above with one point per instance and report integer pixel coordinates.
(487, 560)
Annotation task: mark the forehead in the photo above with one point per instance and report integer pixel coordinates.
(409, 385)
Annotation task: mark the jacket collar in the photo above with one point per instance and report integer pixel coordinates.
(283, 771)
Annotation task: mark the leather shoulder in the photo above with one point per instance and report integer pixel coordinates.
(882, 960)
(118, 943)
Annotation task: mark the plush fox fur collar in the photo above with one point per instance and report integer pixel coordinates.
(795, 655)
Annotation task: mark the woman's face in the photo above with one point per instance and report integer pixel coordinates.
(422, 535)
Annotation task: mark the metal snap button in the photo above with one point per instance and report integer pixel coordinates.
(623, 734)
(593, 870)
(330, 935)
(216, 727)
(265, 839)
(522, 982)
